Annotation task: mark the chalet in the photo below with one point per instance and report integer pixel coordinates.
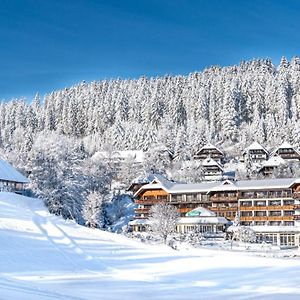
(209, 150)
(117, 158)
(287, 152)
(271, 164)
(256, 153)
(270, 206)
(10, 179)
(212, 169)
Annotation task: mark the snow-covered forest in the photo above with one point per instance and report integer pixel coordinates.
(53, 139)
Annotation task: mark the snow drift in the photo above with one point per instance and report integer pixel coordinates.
(45, 257)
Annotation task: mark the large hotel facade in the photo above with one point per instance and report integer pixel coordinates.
(270, 206)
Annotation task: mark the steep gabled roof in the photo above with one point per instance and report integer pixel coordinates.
(255, 146)
(285, 145)
(9, 173)
(209, 162)
(210, 146)
(274, 161)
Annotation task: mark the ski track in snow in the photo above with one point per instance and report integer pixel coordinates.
(45, 257)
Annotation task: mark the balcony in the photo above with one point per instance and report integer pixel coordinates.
(296, 217)
(269, 218)
(270, 207)
(223, 208)
(141, 210)
(150, 201)
(184, 210)
(268, 195)
(224, 199)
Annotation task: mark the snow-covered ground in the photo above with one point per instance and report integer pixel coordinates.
(45, 257)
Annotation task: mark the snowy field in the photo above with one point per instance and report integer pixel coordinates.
(45, 257)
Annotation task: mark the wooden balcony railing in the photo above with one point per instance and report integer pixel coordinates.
(141, 210)
(266, 196)
(223, 199)
(184, 210)
(268, 218)
(221, 208)
(270, 207)
(152, 201)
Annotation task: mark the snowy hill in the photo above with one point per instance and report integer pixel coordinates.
(45, 257)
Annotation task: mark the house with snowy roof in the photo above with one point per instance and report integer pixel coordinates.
(212, 169)
(271, 164)
(209, 150)
(287, 152)
(117, 158)
(11, 179)
(256, 153)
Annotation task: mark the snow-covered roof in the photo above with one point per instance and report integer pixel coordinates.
(143, 178)
(9, 173)
(256, 146)
(209, 162)
(274, 161)
(285, 145)
(210, 146)
(137, 155)
(202, 220)
(200, 212)
(227, 185)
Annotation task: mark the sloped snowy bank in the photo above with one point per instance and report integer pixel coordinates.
(45, 257)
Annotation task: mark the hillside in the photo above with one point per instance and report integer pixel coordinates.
(45, 257)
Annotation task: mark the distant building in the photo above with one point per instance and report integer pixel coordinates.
(201, 219)
(212, 169)
(271, 164)
(209, 150)
(256, 153)
(117, 158)
(270, 206)
(287, 152)
(10, 179)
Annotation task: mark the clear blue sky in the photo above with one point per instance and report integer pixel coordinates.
(47, 45)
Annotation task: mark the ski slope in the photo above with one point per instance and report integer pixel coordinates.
(45, 257)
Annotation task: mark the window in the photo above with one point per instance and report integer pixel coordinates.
(287, 239)
(260, 213)
(288, 202)
(246, 214)
(260, 203)
(275, 213)
(246, 203)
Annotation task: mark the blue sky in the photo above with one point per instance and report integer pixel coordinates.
(48, 45)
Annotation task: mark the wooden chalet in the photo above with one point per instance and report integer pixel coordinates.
(209, 150)
(271, 164)
(10, 179)
(256, 153)
(287, 152)
(212, 169)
